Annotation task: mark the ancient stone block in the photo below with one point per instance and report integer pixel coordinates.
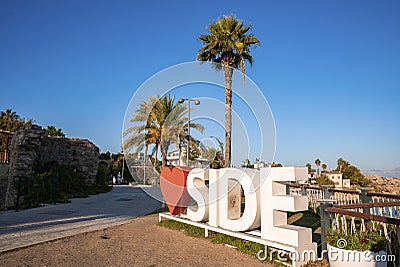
(30, 148)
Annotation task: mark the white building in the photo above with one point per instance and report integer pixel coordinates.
(260, 164)
(337, 178)
(174, 159)
(346, 183)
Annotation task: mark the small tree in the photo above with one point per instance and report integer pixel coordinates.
(324, 180)
(53, 131)
(309, 167)
(324, 167)
(247, 164)
(218, 161)
(317, 163)
(215, 157)
(351, 172)
(105, 156)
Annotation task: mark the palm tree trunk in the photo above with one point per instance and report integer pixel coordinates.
(164, 160)
(163, 155)
(228, 72)
(156, 156)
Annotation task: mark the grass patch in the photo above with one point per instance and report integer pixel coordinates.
(244, 246)
(188, 229)
(305, 219)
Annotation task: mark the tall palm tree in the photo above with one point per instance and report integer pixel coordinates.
(340, 164)
(317, 163)
(143, 134)
(169, 120)
(172, 123)
(10, 120)
(161, 120)
(228, 43)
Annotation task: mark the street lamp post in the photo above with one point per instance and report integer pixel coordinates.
(196, 102)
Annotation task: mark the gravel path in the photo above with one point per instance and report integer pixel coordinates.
(138, 243)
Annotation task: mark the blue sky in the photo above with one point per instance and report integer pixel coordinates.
(330, 70)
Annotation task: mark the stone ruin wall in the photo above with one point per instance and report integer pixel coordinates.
(31, 147)
(3, 182)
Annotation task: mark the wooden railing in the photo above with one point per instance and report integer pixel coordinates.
(357, 210)
(340, 196)
(348, 206)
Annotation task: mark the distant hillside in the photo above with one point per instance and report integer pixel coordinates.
(392, 173)
(385, 185)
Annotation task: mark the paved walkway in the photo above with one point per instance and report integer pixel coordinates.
(120, 205)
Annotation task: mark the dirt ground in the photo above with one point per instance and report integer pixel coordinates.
(138, 243)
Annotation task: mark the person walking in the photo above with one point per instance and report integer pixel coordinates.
(119, 178)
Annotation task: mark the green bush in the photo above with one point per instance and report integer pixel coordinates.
(324, 180)
(102, 176)
(361, 241)
(58, 183)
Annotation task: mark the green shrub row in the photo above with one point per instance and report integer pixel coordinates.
(58, 183)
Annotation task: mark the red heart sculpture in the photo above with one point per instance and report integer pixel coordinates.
(173, 188)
